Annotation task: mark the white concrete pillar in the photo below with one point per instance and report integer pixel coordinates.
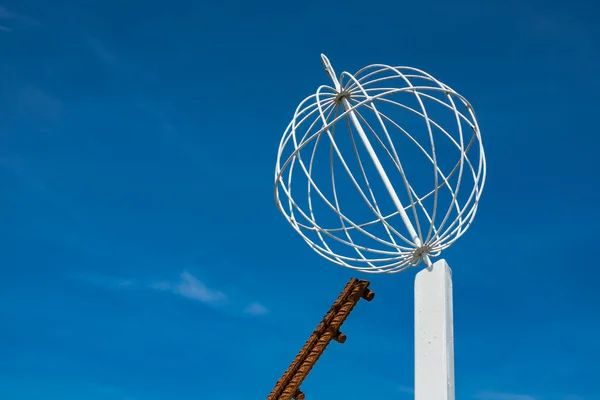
(434, 333)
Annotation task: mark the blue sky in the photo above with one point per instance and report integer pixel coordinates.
(142, 256)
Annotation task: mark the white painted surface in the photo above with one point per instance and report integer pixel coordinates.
(365, 112)
(434, 333)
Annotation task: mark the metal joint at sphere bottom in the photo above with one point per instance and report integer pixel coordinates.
(387, 168)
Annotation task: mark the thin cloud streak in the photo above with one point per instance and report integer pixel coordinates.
(187, 286)
(191, 287)
(5, 14)
(256, 309)
(10, 18)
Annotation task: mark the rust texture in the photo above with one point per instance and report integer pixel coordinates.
(288, 387)
(312, 340)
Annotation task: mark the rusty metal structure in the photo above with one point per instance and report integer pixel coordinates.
(288, 387)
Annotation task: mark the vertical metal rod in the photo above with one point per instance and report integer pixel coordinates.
(384, 177)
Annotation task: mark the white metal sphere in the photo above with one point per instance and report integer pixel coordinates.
(382, 170)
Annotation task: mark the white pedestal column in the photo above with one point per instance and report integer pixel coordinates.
(434, 333)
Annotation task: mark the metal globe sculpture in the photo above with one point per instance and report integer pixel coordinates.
(381, 170)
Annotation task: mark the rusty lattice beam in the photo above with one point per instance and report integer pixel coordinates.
(288, 387)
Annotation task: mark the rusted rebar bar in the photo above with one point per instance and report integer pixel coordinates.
(314, 337)
(288, 387)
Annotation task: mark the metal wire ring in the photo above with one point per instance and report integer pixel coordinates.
(387, 110)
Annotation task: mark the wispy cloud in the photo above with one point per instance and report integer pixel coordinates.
(185, 285)
(190, 287)
(10, 20)
(256, 309)
(503, 396)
